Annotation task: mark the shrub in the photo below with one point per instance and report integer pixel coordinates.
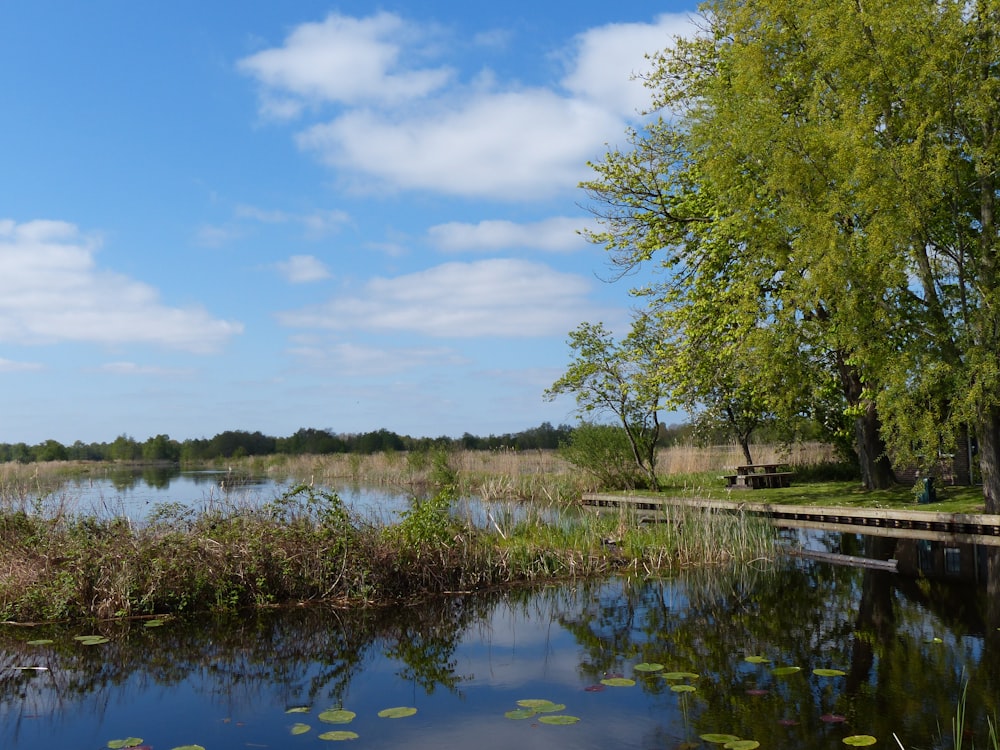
(604, 451)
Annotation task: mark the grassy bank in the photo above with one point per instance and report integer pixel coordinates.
(306, 546)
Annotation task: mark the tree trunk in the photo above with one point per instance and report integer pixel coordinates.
(989, 457)
(876, 468)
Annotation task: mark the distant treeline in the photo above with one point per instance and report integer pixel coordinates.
(237, 443)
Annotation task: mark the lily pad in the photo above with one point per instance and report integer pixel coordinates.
(560, 720)
(719, 739)
(130, 742)
(648, 667)
(536, 703)
(595, 688)
(680, 676)
(41, 642)
(338, 736)
(297, 710)
(188, 747)
(683, 688)
(399, 712)
(521, 713)
(757, 659)
(742, 745)
(95, 641)
(860, 740)
(829, 672)
(783, 671)
(300, 728)
(336, 716)
(618, 682)
(935, 639)
(154, 623)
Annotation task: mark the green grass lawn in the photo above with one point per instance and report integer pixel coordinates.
(830, 493)
(850, 494)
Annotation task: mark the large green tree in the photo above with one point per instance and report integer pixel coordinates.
(854, 148)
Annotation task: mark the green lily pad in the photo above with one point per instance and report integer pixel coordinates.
(521, 713)
(860, 740)
(718, 739)
(154, 623)
(648, 667)
(935, 639)
(399, 712)
(188, 747)
(338, 736)
(757, 659)
(41, 642)
(618, 682)
(782, 671)
(300, 728)
(336, 716)
(829, 672)
(683, 688)
(742, 745)
(90, 640)
(680, 676)
(297, 710)
(130, 742)
(561, 720)
(539, 704)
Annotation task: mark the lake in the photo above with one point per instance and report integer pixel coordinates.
(640, 663)
(135, 493)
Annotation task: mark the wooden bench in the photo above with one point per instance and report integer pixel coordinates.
(758, 476)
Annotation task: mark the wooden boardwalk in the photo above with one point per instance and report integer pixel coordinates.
(913, 524)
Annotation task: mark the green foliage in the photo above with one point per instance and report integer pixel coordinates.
(428, 524)
(604, 452)
(621, 378)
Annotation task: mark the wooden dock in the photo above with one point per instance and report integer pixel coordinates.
(912, 524)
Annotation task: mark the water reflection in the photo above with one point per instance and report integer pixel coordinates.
(905, 643)
(136, 493)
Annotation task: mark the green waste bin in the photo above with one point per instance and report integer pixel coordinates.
(925, 490)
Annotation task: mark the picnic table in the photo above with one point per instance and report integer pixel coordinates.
(758, 476)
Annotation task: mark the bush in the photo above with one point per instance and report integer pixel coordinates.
(604, 451)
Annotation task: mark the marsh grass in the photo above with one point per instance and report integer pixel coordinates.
(307, 546)
(535, 475)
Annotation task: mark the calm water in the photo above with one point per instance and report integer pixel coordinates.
(134, 494)
(905, 643)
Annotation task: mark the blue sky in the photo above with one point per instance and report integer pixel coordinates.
(267, 216)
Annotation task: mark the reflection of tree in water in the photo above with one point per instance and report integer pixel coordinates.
(798, 614)
(306, 656)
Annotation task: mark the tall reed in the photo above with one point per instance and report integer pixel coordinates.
(307, 545)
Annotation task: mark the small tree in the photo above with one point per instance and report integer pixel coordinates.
(621, 378)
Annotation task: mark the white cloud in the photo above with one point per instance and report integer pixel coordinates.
(514, 146)
(131, 368)
(359, 360)
(608, 58)
(559, 234)
(501, 297)
(302, 269)
(8, 365)
(51, 290)
(208, 235)
(346, 60)
(317, 224)
(480, 137)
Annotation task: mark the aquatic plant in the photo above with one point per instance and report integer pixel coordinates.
(306, 545)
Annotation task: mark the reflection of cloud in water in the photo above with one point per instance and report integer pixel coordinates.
(510, 650)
